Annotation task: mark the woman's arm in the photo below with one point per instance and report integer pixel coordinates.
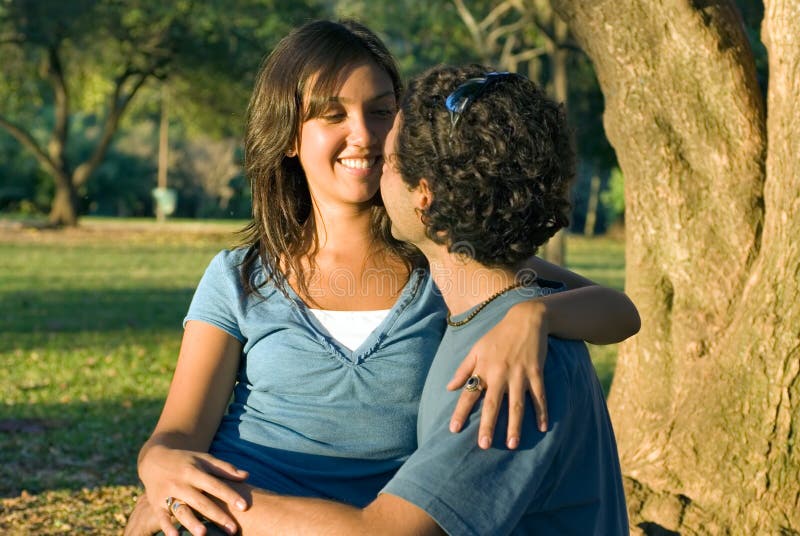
(174, 461)
(554, 272)
(595, 314)
(586, 311)
(510, 357)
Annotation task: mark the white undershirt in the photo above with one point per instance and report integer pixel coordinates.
(350, 328)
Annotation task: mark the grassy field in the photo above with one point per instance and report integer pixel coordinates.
(601, 259)
(90, 323)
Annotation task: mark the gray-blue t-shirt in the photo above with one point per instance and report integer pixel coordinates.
(566, 481)
(310, 417)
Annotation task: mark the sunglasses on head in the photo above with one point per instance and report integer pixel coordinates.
(459, 100)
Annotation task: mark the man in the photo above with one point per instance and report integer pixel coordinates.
(476, 175)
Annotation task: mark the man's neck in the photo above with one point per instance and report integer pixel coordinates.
(465, 283)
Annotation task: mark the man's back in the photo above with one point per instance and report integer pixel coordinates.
(566, 481)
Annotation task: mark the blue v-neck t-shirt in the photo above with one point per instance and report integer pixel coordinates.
(310, 417)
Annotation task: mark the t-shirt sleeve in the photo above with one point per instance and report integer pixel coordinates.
(219, 297)
(467, 490)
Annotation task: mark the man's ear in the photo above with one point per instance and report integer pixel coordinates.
(424, 194)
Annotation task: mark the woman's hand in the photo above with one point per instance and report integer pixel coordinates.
(509, 358)
(145, 520)
(193, 479)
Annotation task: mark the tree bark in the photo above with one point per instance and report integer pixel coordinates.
(163, 151)
(555, 250)
(64, 210)
(706, 399)
(591, 206)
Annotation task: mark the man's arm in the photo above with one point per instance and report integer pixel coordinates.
(278, 514)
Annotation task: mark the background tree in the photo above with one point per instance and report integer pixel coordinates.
(97, 55)
(419, 34)
(218, 46)
(506, 36)
(706, 399)
(527, 36)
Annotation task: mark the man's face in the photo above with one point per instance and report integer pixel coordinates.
(400, 200)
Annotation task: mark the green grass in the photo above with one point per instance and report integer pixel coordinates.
(90, 324)
(601, 259)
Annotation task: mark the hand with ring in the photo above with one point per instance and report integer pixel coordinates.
(509, 359)
(190, 485)
(144, 520)
(173, 504)
(183, 514)
(474, 383)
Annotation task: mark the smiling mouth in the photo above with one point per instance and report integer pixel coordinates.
(359, 163)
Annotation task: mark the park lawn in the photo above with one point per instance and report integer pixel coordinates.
(601, 259)
(90, 325)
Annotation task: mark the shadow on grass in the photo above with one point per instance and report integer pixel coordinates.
(73, 446)
(92, 310)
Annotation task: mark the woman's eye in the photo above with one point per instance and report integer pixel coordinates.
(333, 117)
(385, 112)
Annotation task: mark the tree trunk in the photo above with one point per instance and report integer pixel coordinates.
(706, 399)
(591, 206)
(163, 152)
(555, 250)
(64, 210)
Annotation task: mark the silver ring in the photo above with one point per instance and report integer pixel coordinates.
(175, 505)
(473, 384)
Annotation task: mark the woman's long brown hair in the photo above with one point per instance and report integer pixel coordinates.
(307, 62)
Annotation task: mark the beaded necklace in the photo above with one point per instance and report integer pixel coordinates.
(483, 304)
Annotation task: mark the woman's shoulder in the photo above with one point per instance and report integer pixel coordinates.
(230, 258)
(227, 262)
(231, 264)
(236, 265)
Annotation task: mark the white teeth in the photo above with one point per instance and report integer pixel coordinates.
(358, 163)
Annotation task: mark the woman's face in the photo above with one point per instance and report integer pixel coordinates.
(341, 151)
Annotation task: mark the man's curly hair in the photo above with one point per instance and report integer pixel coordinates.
(500, 179)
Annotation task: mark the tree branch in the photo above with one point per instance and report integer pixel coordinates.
(118, 102)
(27, 141)
(495, 14)
(529, 54)
(495, 35)
(472, 26)
(55, 74)
(544, 27)
(506, 57)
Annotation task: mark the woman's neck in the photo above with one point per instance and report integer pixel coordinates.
(346, 228)
(347, 267)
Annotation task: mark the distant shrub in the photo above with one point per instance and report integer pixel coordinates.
(613, 198)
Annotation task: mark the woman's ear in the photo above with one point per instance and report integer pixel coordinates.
(293, 149)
